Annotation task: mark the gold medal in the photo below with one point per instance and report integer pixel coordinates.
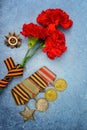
(60, 84)
(41, 104)
(51, 94)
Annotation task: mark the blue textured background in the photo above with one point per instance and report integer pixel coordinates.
(69, 111)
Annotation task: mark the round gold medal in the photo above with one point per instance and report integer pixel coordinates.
(60, 84)
(51, 94)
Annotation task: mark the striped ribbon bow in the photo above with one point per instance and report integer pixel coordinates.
(32, 85)
(13, 71)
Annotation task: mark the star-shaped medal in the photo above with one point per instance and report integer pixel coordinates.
(13, 40)
(27, 113)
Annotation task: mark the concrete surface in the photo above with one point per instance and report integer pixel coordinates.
(69, 111)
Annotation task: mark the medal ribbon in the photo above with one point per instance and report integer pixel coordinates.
(32, 85)
(13, 71)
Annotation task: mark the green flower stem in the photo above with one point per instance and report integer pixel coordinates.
(24, 59)
(31, 43)
(27, 58)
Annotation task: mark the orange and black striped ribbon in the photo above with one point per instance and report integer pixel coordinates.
(32, 85)
(13, 71)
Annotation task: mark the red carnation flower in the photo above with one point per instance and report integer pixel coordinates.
(33, 30)
(52, 31)
(54, 16)
(55, 45)
(54, 49)
(50, 16)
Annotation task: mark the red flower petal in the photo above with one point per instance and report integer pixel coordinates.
(54, 16)
(33, 30)
(67, 24)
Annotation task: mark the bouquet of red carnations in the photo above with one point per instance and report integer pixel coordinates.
(47, 35)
